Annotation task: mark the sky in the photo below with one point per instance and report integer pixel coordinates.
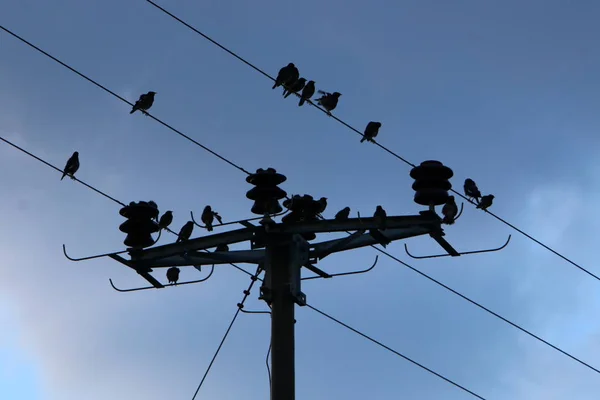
(502, 92)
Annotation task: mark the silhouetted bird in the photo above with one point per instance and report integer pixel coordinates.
(155, 212)
(307, 92)
(72, 166)
(208, 216)
(486, 201)
(380, 216)
(222, 247)
(322, 205)
(144, 103)
(294, 87)
(329, 101)
(287, 75)
(173, 275)
(450, 211)
(471, 190)
(165, 220)
(343, 214)
(185, 232)
(371, 131)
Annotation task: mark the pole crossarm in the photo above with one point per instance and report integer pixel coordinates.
(201, 258)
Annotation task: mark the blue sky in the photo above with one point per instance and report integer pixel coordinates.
(502, 92)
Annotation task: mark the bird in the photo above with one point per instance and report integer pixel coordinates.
(165, 220)
(307, 92)
(450, 210)
(471, 190)
(144, 103)
(343, 214)
(329, 101)
(155, 212)
(222, 247)
(72, 166)
(287, 75)
(294, 87)
(380, 215)
(371, 131)
(173, 275)
(486, 201)
(185, 232)
(321, 205)
(208, 216)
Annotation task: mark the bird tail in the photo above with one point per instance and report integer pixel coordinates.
(447, 221)
(322, 92)
(209, 228)
(302, 100)
(363, 139)
(275, 85)
(63, 177)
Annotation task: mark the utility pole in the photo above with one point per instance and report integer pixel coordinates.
(283, 248)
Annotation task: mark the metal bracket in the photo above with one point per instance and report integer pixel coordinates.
(298, 257)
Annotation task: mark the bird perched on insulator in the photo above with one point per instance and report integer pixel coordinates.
(307, 92)
(343, 214)
(294, 87)
(173, 275)
(165, 220)
(486, 202)
(287, 75)
(185, 232)
(380, 216)
(322, 205)
(144, 103)
(371, 131)
(329, 101)
(471, 190)
(449, 211)
(155, 212)
(208, 216)
(72, 166)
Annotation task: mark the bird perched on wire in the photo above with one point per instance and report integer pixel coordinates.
(371, 131)
(343, 214)
(321, 205)
(471, 190)
(294, 87)
(450, 211)
(208, 216)
(165, 220)
(486, 201)
(144, 103)
(287, 75)
(329, 101)
(173, 275)
(185, 232)
(307, 92)
(222, 247)
(72, 166)
(155, 212)
(380, 216)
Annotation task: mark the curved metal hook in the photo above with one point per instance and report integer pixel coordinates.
(167, 285)
(91, 257)
(234, 222)
(462, 206)
(460, 254)
(362, 271)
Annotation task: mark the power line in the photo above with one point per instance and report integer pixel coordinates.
(239, 308)
(394, 351)
(122, 99)
(391, 152)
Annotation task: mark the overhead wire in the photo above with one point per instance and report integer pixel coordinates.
(389, 151)
(377, 342)
(214, 153)
(241, 269)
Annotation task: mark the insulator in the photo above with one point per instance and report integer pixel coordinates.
(139, 225)
(431, 183)
(266, 194)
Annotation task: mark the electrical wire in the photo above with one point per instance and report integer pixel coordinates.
(374, 247)
(240, 305)
(123, 99)
(394, 351)
(396, 155)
